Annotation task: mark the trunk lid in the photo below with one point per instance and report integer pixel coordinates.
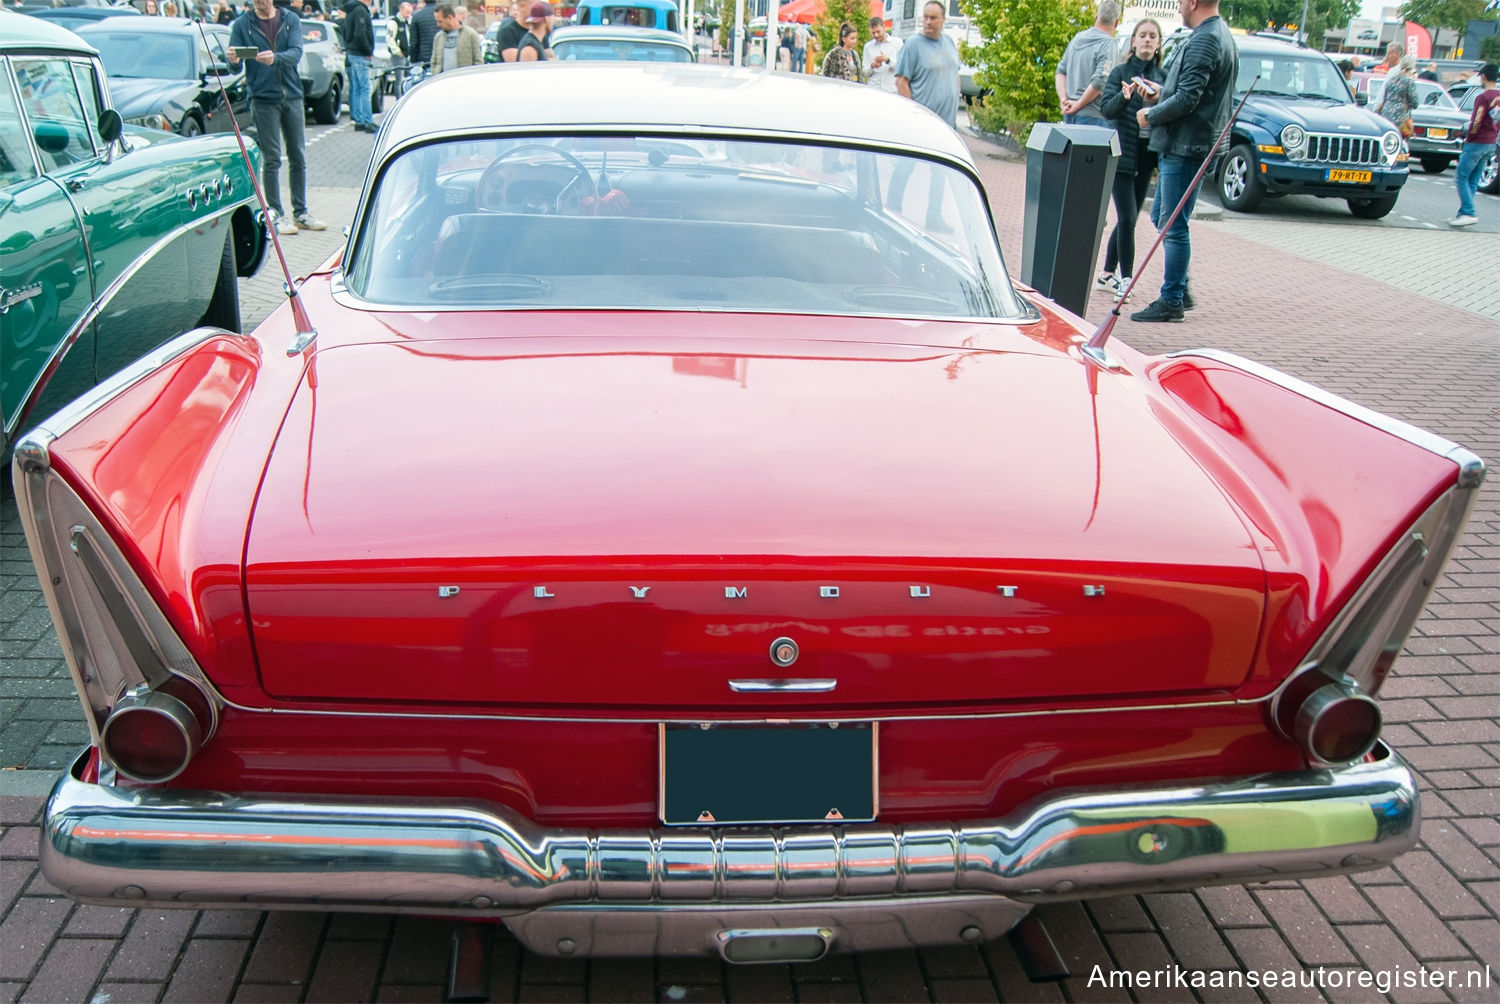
(604, 529)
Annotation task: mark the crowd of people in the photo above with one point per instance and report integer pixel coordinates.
(1170, 121)
(1167, 121)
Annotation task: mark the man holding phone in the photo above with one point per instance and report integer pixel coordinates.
(274, 35)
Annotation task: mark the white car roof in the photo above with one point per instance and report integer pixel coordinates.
(664, 97)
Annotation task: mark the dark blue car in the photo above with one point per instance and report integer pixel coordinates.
(75, 17)
(1301, 133)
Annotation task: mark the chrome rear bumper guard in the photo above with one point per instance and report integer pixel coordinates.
(195, 849)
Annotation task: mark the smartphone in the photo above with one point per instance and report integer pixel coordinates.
(245, 51)
(1145, 84)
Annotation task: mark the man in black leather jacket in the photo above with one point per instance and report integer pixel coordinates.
(1194, 104)
(423, 30)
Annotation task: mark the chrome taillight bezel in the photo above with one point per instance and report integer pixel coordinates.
(163, 707)
(1364, 639)
(1352, 658)
(115, 638)
(1303, 703)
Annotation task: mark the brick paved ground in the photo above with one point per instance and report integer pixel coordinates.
(1306, 298)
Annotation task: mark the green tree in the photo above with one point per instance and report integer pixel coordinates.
(1286, 15)
(1017, 59)
(1489, 49)
(835, 13)
(1455, 14)
(726, 22)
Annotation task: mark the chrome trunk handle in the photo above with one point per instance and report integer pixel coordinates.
(799, 686)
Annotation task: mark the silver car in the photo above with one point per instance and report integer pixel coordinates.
(322, 71)
(1437, 125)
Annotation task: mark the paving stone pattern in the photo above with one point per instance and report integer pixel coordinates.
(1303, 298)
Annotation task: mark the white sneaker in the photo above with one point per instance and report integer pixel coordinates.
(284, 226)
(1106, 280)
(1463, 221)
(1121, 285)
(306, 221)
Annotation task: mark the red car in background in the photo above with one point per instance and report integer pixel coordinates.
(687, 539)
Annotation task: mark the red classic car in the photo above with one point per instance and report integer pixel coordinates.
(688, 539)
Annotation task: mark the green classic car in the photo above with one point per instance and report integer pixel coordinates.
(113, 239)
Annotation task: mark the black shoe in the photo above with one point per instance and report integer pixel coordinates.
(1159, 310)
(1188, 303)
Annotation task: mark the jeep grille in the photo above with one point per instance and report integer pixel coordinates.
(1329, 149)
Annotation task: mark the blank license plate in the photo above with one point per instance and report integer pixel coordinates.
(1358, 177)
(768, 774)
(1438, 133)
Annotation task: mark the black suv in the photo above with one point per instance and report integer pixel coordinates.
(1301, 133)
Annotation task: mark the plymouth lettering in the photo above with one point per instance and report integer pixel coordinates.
(970, 631)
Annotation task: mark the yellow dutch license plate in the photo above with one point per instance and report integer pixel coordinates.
(1358, 177)
(1438, 133)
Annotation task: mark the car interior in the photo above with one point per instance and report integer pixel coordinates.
(669, 224)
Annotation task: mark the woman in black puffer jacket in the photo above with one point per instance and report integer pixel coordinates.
(1121, 99)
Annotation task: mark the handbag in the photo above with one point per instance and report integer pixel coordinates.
(1406, 128)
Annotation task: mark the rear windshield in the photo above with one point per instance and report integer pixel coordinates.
(637, 17)
(146, 54)
(672, 223)
(591, 49)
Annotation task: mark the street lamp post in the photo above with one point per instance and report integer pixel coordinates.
(737, 37)
(773, 10)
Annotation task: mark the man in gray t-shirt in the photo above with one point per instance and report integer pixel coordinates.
(1085, 66)
(927, 68)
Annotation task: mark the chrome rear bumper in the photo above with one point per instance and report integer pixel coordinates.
(206, 849)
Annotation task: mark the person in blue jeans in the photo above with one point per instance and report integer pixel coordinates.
(1484, 129)
(1185, 120)
(359, 47)
(277, 106)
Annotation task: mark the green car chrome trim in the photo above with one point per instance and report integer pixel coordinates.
(89, 316)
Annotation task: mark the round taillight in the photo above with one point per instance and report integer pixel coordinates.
(150, 737)
(1336, 724)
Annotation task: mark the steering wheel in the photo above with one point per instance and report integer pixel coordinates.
(491, 188)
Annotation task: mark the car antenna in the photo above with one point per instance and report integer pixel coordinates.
(1094, 347)
(306, 333)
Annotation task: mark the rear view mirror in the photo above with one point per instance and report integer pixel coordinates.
(110, 125)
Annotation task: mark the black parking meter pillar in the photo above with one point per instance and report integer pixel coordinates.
(1070, 170)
